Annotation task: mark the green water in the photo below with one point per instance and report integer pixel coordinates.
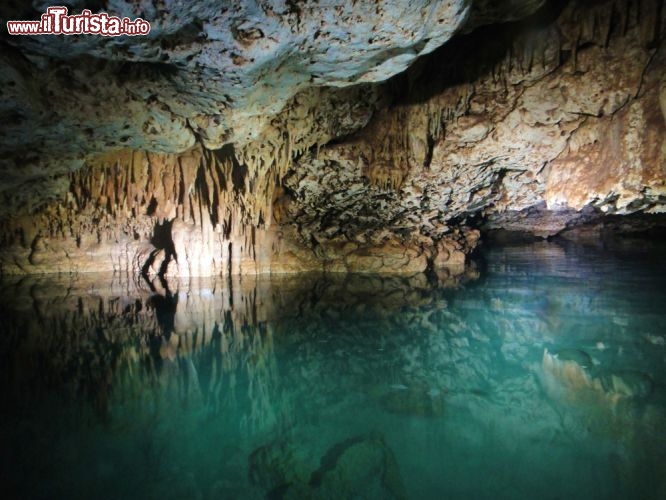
(342, 387)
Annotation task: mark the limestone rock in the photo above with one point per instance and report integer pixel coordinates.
(415, 400)
(581, 358)
(628, 384)
(571, 370)
(556, 124)
(275, 466)
(205, 73)
(265, 138)
(361, 467)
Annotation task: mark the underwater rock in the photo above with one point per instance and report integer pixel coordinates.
(360, 467)
(418, 400)
(627, 383)
(569, 367)
(275, 467)
(574, 355)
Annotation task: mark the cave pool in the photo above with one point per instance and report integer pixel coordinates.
(541, 373)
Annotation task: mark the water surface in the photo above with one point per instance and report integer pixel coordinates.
(541, 377)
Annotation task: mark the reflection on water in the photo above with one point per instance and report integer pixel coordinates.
(543, 378)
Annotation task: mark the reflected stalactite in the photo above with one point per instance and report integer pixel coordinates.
(102, 350)
(191, 344)
(234, 367)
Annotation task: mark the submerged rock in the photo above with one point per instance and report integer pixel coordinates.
(275, 466)
(569, 367)
(360, 467)
(419, 401)
(630, 384)
(574, 355)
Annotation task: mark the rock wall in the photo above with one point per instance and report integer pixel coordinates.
(559, 114)
(563, 114)
(208, 73)
(199, 213)
(209, 212)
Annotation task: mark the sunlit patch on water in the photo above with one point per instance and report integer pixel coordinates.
(544, 378)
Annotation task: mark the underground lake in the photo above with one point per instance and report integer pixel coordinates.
(540, 373)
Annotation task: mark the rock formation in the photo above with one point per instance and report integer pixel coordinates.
(289, 136)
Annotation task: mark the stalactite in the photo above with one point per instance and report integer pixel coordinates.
(83, 340)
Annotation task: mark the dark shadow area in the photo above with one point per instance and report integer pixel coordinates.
(588, 226)
(467, 57)
(164, 307)
(162, 238)
(238, 175)
(130, 71)
(191, 33)
(164, 249)
(152, 207)
(227, 153)
(621, 234)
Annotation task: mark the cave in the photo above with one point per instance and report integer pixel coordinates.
(333, 249)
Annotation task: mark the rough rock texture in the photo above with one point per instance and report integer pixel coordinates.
(257, 138)
(359, 467)
(209, 73)
(558, 116)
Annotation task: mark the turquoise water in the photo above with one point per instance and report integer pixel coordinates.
(541, 375)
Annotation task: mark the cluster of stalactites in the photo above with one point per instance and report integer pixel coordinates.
(401, 138)
(224, 189)
(95, 343)
(230, 189)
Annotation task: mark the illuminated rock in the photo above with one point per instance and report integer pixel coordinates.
(570, 369)
(283, 137)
